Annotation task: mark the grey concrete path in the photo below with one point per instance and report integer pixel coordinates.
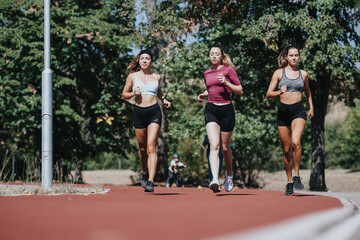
(355, 197)
(335, 224)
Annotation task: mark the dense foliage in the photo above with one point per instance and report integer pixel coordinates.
(92, 44)
(343, 139)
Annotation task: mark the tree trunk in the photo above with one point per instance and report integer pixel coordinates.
(37, 157)
(320, 95)
(161, 170)
(85, 135)
(78, 169)
(162, 165)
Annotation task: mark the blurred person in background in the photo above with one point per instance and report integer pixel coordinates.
(206, 144)
(174, 172)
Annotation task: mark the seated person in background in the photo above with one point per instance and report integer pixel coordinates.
(174, 172)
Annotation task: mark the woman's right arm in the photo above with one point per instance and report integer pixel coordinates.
(202, 96)
(127, 91)
(271, 93)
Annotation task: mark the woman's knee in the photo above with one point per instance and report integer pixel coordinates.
(296, 145)
(226, 148)
(151, 149)
(214, 147)
(287, 149)
(142, 149)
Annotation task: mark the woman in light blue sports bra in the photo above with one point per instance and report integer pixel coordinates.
(145, 87)
(291, 116)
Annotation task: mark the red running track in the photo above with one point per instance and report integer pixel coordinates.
(126, 212)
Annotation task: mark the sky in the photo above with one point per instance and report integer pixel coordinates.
(358, 32)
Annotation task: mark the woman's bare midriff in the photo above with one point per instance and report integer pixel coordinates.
(291, 97)
(145, 100)
(221, 104)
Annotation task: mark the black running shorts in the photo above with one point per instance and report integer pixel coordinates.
(288, 112)
(144, 116)
(224, 115)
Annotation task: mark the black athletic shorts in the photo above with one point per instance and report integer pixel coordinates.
(143, 116)
(224, 115)
(288, 112)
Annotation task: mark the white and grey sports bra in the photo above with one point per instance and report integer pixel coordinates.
(150, 88)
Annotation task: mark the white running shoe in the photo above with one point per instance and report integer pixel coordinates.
(215, 186)
(228, 184)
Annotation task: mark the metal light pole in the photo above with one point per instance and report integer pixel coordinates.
(46, 106)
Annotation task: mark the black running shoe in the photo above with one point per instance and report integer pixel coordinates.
(149, 186)
(289, 189)
(297, 183)
(144, 179)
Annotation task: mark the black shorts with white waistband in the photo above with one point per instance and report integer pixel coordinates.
(288, 112)
(224, 115)
(144, 116)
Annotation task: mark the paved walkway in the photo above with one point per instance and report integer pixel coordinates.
(353, 224)
(126, 212)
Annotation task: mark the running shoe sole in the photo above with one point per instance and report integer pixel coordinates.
(227, 186)
(144, 179)
(297, 183)
(215, 188)
(289, 189)
(149, 187)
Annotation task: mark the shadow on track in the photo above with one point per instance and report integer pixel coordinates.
(166, 194)
(233, 194)
(304, 195)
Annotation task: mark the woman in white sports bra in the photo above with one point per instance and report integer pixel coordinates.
(145, 87)
(291, 116)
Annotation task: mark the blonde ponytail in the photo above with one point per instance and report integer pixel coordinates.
(226, 61)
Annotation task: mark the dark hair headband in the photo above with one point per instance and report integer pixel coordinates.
(147, 52)
(290, 46)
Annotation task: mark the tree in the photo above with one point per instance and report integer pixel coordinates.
(90, 49)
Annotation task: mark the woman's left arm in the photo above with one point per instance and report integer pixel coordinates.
(308, 94)
(238, 89)
(161, 96)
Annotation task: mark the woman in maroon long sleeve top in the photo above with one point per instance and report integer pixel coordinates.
(220, 81)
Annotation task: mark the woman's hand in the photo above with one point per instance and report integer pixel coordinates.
(201, 97)
(283, 89)
(222, 79)
(310, 113)
(167, 103)
(137, 91)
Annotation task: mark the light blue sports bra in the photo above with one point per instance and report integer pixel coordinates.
(150, 88)
(293, 85)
